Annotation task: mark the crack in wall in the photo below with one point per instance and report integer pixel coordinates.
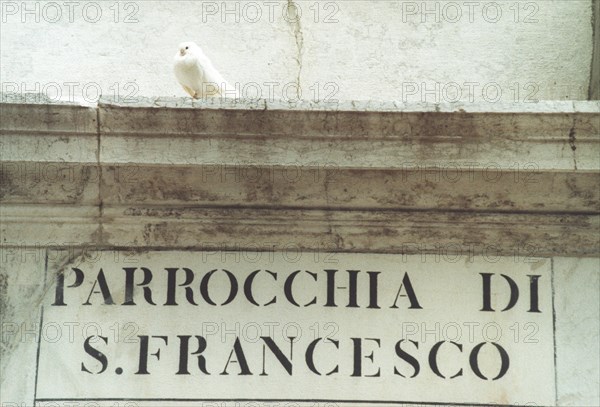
(98, 235)
(293, 10)
(572, 141)
(594, 88)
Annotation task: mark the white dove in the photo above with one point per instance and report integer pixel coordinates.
(198, 76)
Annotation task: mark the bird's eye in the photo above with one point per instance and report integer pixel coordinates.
(186, 47)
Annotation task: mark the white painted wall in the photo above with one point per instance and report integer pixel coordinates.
(384, 50)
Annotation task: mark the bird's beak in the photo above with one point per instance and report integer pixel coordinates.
(182, 52)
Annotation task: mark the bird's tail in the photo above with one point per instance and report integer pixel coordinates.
(227, 90)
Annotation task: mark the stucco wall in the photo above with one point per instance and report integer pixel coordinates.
(383, 50)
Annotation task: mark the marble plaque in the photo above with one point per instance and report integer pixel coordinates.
(290, 328)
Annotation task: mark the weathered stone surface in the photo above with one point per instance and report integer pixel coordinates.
(577, 303)
(49, 183)
(40, 132)
(21, 294)
(332, 187)
(522, 235)
(166, 172)
(40, 226)
(379, 135)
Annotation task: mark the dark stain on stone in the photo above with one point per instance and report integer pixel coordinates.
(3, 293)
(389, 232)
(572, 139)
(7, 314)
(7, 185)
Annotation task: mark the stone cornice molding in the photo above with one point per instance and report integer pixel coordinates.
(352, 176)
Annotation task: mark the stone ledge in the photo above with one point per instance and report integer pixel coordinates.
(352, 105)
(548, 135)
(327, 187)
(411, 123)
(361, 177)
(136, 227)
(356, 231)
